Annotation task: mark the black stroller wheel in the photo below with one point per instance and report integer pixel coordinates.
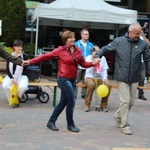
(24, 98)
(43, 97)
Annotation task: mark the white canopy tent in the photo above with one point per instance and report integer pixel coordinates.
(96, 14)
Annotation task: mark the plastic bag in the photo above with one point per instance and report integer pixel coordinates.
(1, 79)
(13, 98)
(97, 72)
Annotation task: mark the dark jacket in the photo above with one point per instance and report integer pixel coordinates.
(67, 61)
(127, 57)
(9, 57)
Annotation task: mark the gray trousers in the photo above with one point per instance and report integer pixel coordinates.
(127, 96)
(142, 76)
(80, 77)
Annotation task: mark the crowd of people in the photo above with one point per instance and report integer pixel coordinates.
(82, 60)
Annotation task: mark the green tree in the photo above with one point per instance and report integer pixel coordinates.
(13, 16)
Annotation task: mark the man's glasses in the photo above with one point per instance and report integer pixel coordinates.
(85, 34)
(138, 34)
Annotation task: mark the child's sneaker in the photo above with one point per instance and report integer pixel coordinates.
(86, 109)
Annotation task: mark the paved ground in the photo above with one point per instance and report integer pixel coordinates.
(24, 128)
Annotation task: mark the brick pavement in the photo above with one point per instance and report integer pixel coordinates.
(24, 128)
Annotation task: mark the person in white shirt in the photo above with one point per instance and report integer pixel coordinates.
(91, 82)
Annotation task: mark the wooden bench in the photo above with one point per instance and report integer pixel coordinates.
(55, 85)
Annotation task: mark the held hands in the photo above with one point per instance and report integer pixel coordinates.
(96, 61)
(25, 63)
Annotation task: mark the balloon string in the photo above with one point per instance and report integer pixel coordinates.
(97, 99)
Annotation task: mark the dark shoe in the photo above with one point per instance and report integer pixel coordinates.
(73, 128)
(83, 96)
(16, 106)
(97, 108)
(52, 126)
(142, 97)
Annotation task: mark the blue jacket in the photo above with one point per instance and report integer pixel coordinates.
(86, 52)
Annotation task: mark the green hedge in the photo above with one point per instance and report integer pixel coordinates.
(13, 16)
(8, 49)
(29, 48)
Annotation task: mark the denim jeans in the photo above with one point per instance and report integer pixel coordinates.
(67, 100)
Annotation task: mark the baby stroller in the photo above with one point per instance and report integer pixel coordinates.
(33, 73)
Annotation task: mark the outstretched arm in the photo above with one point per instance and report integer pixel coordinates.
(10, 57)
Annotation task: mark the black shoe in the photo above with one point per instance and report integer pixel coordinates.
(83, 96)
(142, 97)
(73, 128)
(52, 126)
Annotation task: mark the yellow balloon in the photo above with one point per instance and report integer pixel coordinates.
(102, 90)
(1, 78)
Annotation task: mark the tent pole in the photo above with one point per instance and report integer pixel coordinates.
(117, 30)
(36, 39)
(32, 33)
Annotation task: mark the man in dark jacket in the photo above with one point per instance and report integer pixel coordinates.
(128, 50)
(10, 57)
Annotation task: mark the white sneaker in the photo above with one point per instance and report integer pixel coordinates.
(104, 109)
(86, 109)
(126, 130)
